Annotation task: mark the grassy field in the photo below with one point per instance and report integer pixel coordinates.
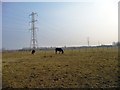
(0, 70)
(85, 68)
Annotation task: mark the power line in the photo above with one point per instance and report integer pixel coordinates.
(14, 19)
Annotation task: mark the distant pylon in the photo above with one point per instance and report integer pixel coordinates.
(88, 41)
(33, 42)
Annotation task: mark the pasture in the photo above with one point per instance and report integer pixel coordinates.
(84, 68)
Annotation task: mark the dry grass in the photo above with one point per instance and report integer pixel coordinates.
(74, 69)
(0, 70)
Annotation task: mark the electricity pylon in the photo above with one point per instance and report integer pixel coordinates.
(33, 42)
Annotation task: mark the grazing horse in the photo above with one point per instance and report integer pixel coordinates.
(33, 51)
(60, 50)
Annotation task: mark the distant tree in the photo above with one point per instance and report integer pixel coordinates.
(116, 43)
(3, 49)
(65, 46)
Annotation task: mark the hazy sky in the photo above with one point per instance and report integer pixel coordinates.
(0, 25)
(60, 23)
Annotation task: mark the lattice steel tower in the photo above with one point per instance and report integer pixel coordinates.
(33, 42)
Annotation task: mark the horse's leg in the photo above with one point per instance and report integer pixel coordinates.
(32, 52)
(62, 51)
